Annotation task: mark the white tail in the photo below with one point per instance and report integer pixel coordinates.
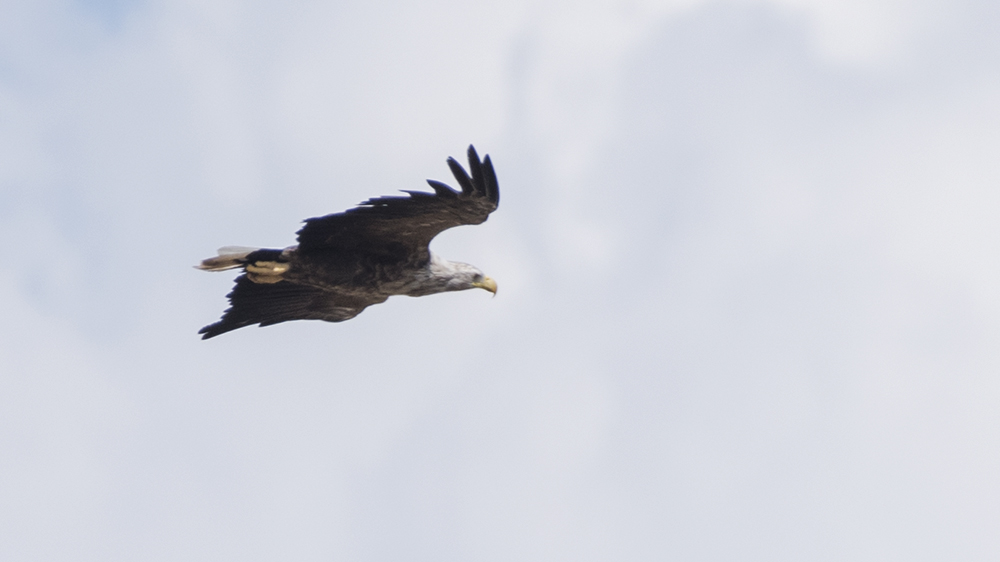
(230, 257)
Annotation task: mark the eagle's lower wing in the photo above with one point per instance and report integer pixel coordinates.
(405, 225)
(272, 303)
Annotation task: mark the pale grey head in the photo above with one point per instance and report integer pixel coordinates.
(442, 275)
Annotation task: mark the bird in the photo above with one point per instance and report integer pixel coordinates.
(345, 262)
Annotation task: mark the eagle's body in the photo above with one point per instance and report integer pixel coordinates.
(348, 261)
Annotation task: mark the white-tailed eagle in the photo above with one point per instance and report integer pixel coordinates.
(348, 261)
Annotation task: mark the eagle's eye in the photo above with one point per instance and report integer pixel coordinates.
(477, 278)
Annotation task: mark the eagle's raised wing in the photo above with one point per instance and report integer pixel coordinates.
(405, 225)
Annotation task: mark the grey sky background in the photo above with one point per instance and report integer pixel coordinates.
(748, 258)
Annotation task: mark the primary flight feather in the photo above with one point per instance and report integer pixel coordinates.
(346, 262)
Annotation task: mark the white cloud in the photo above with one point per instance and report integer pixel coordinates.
(746, 283)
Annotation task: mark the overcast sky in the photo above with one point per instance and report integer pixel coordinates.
(748, 259)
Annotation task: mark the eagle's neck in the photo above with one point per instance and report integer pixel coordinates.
(441, 275)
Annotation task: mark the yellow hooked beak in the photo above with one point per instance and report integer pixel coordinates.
(487, 283)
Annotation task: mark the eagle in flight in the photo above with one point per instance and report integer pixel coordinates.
(346, 262)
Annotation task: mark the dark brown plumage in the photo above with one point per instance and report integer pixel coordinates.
(345, 262)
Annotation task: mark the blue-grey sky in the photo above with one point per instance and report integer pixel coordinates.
(748, 257)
